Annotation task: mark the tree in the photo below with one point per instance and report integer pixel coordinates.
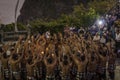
(85, 16)
(101, 7)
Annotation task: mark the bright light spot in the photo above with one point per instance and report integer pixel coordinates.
(100, 22)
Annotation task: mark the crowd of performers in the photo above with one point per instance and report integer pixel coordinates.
(57, 58)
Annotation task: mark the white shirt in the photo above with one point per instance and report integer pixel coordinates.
(96, 38)
(102, 40)
(47, 35)
(118, 37)
(8, 52)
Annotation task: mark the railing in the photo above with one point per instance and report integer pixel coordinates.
(13, 36)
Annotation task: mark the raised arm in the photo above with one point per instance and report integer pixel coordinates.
(35, 61)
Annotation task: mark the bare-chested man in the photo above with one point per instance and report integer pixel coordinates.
(111, 64)
(15, 66)
(5, 66)
(64, 61)
(50, 61)
(91, 66)
(40, 64)
(80, 58)
(101, 67)
(31, 63)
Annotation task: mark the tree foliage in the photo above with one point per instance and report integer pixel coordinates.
(82, 16)
(86, 16)
(101, 7)
(11, 27)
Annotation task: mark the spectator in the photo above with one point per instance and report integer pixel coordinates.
(118, 36)
(96, 37)
(103, 39)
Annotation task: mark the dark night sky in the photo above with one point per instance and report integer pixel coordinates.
(7, 10)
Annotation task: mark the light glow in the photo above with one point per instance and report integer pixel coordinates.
(100, 22)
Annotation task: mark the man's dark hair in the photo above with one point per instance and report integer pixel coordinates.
(49, 60)
(65, 57)
(29, 61)
(83, 58)
(65, 62)
(1, 50)
(4, 55)
(14, 56)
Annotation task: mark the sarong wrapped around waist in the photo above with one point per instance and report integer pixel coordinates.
(30, 78)
(80, 75)
(6, 73)
(35, 72)
(111, 67)
(101, 69)
(67, 77)
(23, 70)
(40, 71)
(51, 77)
(74, 71)
(90, 75)
(16, 75)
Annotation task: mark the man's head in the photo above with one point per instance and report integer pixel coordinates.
(82, 57)
(15, 56)
(5, 55)
(29, 61)
(49, 60)
(1, 50)
(65, 57)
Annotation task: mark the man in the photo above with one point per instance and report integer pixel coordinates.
(31, 63)
(96, 38)
(64, 62)
(50, 61)
(15, 60)
(5, 67)
(40, 67)
(117, 38)
(103, 39)
(91, 66)
(111, 64)
(80, 59)
(101, 67)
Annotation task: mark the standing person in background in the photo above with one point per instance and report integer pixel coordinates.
(117, 38)
(96, 38)
(103, 39)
